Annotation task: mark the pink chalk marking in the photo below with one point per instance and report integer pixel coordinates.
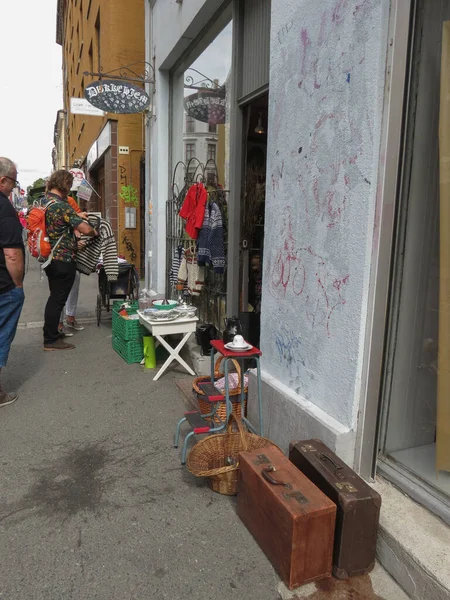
(290, 273)
(305, 43)
(338, 14)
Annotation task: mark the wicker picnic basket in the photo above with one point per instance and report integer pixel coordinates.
(205, 407)
(211, 457)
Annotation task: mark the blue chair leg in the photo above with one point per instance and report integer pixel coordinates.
(177, 433)
(184, 451)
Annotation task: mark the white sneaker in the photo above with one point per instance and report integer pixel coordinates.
(74, 325)
(64, 333)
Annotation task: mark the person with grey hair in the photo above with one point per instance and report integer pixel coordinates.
(12, 262)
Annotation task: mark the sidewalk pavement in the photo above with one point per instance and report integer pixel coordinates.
(36, 290)
(94, 503)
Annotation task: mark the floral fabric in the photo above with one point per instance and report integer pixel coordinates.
(61, 220)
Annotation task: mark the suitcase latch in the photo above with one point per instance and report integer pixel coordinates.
(301, 499)
(308, 448)
(261, 459)
(347, 486)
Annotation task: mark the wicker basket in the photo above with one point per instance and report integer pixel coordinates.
(211, 456)
(206, 407)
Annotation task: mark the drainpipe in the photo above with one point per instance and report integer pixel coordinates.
(148, 146)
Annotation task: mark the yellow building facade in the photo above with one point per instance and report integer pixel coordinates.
(102, 36)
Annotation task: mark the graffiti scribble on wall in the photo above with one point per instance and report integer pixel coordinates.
(298, 271)
(123, 175)
(129, 195)
(130, 248)
(288, 345)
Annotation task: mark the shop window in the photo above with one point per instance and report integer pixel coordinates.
(212, 152)
(190, 124)
(97, 39)
(190, 152)
(201, 115)
(416, 426)
(91, 58)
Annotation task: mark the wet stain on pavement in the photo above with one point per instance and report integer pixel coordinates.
(71, 484)
(358, 588)
(79, 480)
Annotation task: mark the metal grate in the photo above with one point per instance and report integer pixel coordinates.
(211, 303)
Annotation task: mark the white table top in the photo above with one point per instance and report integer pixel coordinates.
(158, 322)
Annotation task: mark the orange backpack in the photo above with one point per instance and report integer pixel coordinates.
(38, 241)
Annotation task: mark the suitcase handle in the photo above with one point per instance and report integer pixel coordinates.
(324, 457)
(272, 480)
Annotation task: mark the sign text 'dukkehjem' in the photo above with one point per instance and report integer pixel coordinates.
(114, 97)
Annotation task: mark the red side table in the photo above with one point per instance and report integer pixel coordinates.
(201, 423)
(228, 355)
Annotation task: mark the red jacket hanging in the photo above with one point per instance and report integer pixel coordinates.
(193, 209)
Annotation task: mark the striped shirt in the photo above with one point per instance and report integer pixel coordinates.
(105, 244)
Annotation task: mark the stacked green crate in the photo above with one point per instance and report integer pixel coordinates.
(127, 334)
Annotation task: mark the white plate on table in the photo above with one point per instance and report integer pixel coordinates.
(160, 319)
(233, 348)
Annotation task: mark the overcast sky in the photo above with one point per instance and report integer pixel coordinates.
(30, 85)
(31, 82)
(215, 61)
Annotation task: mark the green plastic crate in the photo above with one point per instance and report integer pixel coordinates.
(133, 306)
(132, 351)
(127, 329)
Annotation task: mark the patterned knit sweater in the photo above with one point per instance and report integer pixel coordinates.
(191, 273)
(211, 250)
(105, 244)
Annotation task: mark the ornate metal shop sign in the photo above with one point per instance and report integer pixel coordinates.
(208, 106)
(115, 96)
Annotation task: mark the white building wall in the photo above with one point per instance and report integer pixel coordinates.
(326, 95)
(202, 138)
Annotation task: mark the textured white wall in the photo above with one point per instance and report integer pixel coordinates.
(326, 94)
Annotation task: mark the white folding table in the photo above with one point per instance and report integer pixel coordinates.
(160, 329)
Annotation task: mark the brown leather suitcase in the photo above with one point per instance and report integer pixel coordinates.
(358, 506)
(290, 518)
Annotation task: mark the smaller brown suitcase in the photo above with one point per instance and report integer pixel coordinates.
(290, 518)
(358, 506)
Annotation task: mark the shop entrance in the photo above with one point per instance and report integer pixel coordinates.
(252, 215)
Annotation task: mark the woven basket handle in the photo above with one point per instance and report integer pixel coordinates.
(241, 430)
(217, 372)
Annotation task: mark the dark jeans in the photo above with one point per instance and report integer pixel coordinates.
(61, 276)
(10, 308)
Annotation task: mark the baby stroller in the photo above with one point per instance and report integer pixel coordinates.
(125, 288)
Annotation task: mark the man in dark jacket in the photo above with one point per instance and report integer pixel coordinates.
(12, 254)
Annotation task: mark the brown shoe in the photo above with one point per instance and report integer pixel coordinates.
(7, 398)
(58, 345)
